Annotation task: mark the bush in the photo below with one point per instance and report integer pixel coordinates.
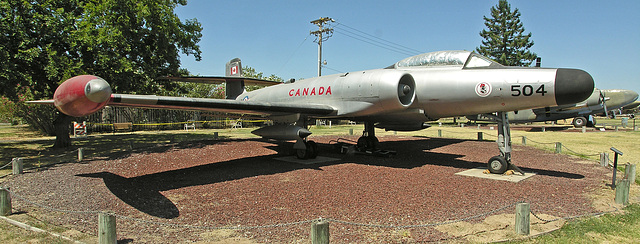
(39, 117)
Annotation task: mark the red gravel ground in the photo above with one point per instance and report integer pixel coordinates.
(240, 183)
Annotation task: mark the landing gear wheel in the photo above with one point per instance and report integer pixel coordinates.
(497, 165)
(302, 154)
(367, 143)
(312, 149)
(310, 152)
(578, 122)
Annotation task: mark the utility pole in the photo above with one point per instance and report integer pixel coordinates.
(320, 38)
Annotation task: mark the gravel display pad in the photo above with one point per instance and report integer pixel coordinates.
(238, 183)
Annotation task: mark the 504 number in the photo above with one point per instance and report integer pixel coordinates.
(526, 90)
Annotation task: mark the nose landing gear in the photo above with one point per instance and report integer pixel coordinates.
(501, 163)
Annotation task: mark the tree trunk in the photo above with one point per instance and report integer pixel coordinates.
(61, 126)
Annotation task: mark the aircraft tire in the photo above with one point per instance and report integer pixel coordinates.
(497, 165)
(578, 122)
(310, 152)
(302, 153)
(367, 143)
(312, 149)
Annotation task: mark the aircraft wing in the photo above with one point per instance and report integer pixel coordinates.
(220, 80)
(48, 102)
(222, 105)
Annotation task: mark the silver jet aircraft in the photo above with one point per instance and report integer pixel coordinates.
(600, 102)
(401, 97)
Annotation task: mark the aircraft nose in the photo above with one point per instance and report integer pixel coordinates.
(572, 86)
(97, 90)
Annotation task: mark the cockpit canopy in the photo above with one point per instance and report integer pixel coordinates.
(465, 59)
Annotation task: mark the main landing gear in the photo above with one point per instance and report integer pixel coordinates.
(501, 163)
(368, 141)
(306, 149)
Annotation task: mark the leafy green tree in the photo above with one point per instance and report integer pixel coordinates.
(126, 42)
(504, 39)
(252, 73)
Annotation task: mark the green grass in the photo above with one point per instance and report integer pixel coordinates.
(609, 228)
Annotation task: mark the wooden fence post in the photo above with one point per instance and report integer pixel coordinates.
(320, 232)
(522, 218)
(558, 147)
(5, 202)
(80, 154)
(604, 159)
(480, 136)
(439, 133)
(630, 173)
(622, 192)
(16, 164)
(106, 228)
(524, 140)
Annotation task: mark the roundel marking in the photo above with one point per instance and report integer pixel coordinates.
(483, 89)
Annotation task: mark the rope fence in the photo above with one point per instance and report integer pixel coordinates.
(315, 220)
(481, 134)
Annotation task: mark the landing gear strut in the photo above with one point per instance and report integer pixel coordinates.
(305, 149)
(501, 163)
(368, 140)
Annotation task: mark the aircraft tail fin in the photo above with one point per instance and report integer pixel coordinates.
(234, 87)
(234, 68)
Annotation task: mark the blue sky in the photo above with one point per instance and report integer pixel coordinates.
(600, 37)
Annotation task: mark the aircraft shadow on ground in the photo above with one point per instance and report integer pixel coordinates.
(131, 144)
(144, 192)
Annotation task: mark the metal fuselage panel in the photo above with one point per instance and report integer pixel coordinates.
(439, 92)
(456, 92)
(359, 94)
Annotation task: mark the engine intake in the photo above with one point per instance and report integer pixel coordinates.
(406, 90)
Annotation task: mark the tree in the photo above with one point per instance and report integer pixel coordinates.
(504, 39)
(126, 42)
(252, 73)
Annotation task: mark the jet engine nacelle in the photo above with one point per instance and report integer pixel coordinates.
(372, 92)
(282, 132)
(82, 95)
(397, 90)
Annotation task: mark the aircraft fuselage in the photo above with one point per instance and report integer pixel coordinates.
(434, 92)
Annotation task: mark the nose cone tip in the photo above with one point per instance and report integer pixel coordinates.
(302, 132)
(572, 86)
(98, 90)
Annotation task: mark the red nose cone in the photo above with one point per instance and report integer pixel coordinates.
(82, 95)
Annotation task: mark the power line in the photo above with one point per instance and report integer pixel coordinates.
(327, 67)
(374, 40)
(291, 56)
(378, 44)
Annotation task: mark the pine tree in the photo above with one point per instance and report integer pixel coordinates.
(504, 39)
